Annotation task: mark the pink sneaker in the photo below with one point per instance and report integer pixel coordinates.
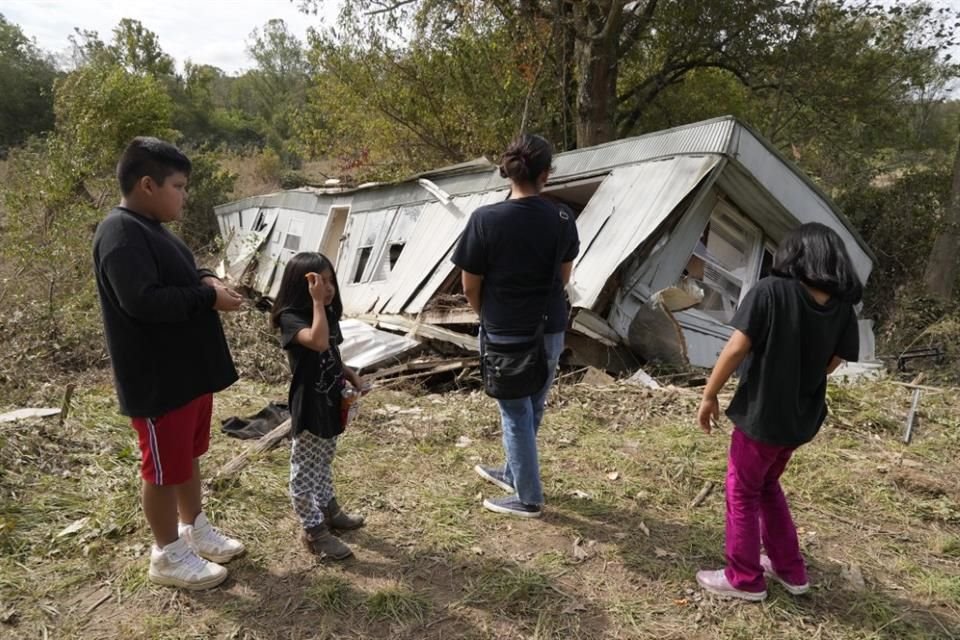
(795, 589)
(716, 582)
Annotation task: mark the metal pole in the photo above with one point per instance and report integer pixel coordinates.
(911, 417)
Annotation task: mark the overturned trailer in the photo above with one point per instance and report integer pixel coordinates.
(675, 227)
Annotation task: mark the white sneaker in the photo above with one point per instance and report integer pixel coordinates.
(209, 542)
(177, 565)
(795, 589)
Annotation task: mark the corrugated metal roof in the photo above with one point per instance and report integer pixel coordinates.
(712, 136)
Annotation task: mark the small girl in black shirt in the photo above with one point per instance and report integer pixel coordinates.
(792, 329)
(307, 312)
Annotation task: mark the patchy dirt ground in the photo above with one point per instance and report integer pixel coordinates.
(614, 556)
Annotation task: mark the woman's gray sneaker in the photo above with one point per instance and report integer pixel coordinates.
(511, 505)
(494, 475)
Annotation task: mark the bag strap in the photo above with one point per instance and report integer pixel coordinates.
(561, 216)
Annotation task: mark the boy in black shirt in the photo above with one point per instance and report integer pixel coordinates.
(169, 356)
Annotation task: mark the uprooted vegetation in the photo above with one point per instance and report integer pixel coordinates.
(614, 556)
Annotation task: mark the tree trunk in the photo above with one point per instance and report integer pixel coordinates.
(595, 58)
(940, 277)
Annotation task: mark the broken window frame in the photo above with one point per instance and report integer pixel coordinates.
(295, 229)
(361, 263)
(754, 244)
(378, 221)
(260, 222)
(402, 223)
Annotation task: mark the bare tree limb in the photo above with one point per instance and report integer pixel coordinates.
(388, 8)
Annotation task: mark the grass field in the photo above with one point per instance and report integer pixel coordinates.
(614, 556)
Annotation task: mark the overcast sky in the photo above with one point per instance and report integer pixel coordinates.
(204, 31)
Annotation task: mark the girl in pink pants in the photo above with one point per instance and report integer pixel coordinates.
(791, 330)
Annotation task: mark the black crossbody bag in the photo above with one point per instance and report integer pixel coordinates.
(519, 369)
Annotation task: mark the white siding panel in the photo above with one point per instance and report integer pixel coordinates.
(705, 337)
(424, 257)
(627, 207)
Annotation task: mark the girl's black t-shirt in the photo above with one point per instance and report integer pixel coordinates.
(316, 389)
(781, 398)
(517, 245)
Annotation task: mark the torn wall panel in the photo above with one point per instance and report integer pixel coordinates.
(627, 208)
(427, 264)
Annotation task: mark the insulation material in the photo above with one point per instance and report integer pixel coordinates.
(245, 245)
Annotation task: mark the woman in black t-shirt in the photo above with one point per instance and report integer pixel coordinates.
(792, 329)
(516, 256)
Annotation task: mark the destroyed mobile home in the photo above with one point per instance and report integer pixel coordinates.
(675, 227)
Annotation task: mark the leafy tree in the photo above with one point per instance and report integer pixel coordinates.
(26, 75)
(277, 86)
(209, 186)
(387, 112)
(898, 215)
(612, 63)
(133, 47)
(137, 49)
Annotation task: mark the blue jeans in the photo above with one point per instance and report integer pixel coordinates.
(521, 419)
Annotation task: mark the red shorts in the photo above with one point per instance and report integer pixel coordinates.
(169, 444)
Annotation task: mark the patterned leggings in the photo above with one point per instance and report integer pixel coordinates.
(311, 480)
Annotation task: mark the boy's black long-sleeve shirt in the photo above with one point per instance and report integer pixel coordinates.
(164, 337)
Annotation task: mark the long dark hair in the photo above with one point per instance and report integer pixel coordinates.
(294, 294)
(815, 255)
(527, 157)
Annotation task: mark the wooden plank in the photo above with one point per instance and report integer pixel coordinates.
(593, 326)
(443, 368)
(423, 330)
(912, 416)
(265, 443)
(450, 316)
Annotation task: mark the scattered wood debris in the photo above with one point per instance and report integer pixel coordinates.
(29, 412)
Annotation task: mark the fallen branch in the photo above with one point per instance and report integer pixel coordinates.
(704, 492)
(99, 602)
(265, 443)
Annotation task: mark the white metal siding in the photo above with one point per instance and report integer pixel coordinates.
(436, 231)
(627, 207)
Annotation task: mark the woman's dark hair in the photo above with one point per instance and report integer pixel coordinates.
(526, 159)
(294, 294)
(815, 255)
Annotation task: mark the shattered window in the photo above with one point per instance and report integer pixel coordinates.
(294, 233)
(362, 259)
(395, 250)
(725, 262)
(401, 229)
(260, 223)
